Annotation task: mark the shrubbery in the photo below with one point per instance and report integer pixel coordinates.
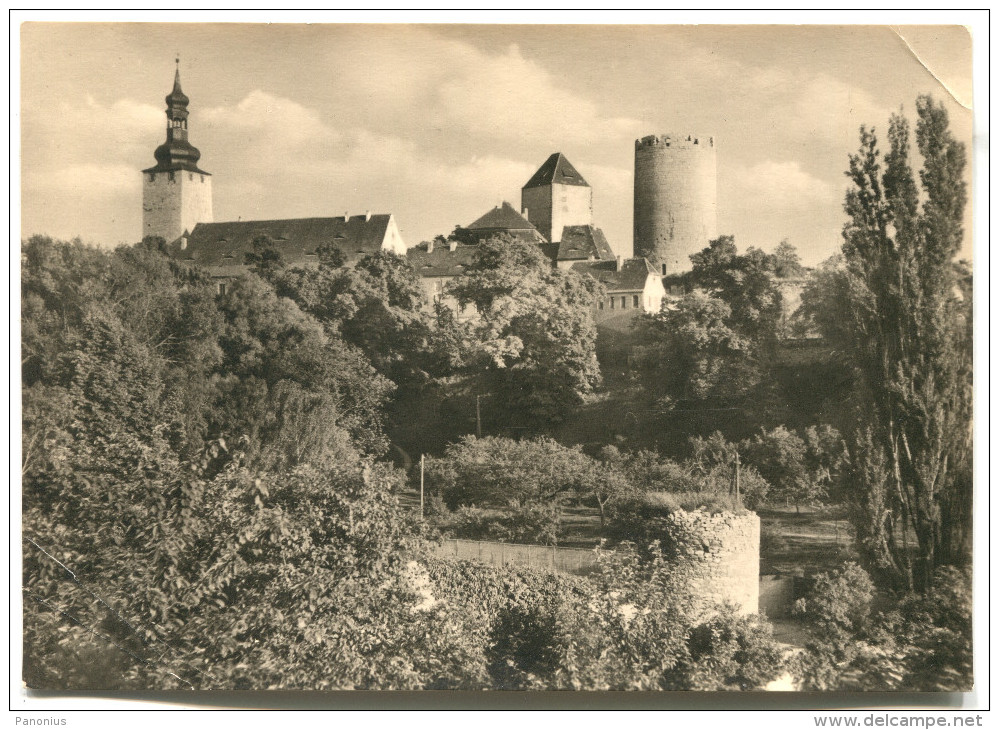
(631, 625)
(502, 489)
(915, 642)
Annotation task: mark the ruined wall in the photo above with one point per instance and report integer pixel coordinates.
(174, 202)
(675, 199)
(721, 553)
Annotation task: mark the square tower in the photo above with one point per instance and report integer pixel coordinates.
(176, 193)
(557, 196)
(174, 201)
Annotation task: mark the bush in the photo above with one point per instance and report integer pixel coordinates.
(839, 601)
(538, 524)
(630, 625)
(918, 642)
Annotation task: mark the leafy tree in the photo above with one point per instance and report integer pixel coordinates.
(906, 334)
(691, 353)
(746, 283)
(284, 373)
(534, 339)
(912, 641)
(779, 456)
(376, 305)
(500, 472)
(265, 260)
(787, 262)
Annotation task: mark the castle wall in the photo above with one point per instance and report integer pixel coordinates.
(675, 199)
(538, 202)
(572, 205)
(174, 202)
(553, 207)
(393, 239)
(721, 553)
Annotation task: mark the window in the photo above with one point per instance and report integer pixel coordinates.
(623, 300)
(634, 301)
(152, 177)
(221, 287)
(600, 304)
(190, 176)
(173, 177)
(612, 302)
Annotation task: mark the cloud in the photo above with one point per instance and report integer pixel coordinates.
(275, 158)
(763, 203)
(774, 185)
(507, 96)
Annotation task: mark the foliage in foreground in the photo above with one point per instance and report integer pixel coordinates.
(632, 625)
(919, 642)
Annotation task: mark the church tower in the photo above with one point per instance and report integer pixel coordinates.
(176, 193)
(557, 196)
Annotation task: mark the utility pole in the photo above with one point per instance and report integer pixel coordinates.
(421, 486)
(478, 418)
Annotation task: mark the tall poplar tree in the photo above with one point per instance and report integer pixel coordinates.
(907, 335)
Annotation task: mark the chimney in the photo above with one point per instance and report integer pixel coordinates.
(367, 216)
(346, 216)
(617, 263)
(525, 214)
(430, 246)
(183, 242)
(452, 245)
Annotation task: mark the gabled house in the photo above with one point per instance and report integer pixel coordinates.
(222, 247)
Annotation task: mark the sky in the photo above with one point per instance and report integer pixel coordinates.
(437, 124)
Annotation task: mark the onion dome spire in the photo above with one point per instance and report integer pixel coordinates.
(177, 153)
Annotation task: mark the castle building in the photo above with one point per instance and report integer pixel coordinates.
(631, 286)
(504, 218)
(437, 266)
(675, 199)
(176, 193)
(222, 247)
(557, 196)
(177, 207)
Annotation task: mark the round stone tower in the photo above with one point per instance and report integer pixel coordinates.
(675, 199)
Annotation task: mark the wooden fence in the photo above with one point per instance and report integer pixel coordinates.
(500, 554)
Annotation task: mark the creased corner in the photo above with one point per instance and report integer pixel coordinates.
(951, 92)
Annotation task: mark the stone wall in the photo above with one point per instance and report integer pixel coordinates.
(721, 553)
(174, 202)
(553, 207)
(675, 199)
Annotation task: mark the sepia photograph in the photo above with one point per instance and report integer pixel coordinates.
(505, 358)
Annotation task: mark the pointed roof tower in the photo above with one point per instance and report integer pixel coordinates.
(177, 153)
(556, 170)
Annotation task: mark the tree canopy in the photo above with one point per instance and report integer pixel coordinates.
(534, 339)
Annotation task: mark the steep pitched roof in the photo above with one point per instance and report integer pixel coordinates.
(503, 217)
(580, 243)
(631, 277)
(442, 261)
(556, 170)
(223, 246)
